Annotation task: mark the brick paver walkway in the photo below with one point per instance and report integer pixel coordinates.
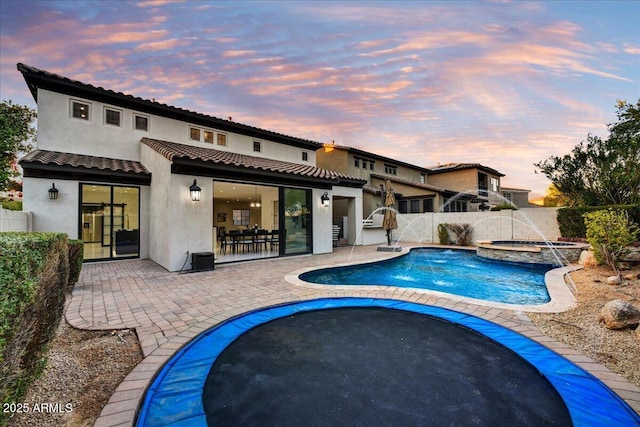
(169, 309)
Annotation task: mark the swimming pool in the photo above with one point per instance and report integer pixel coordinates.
(457, 272)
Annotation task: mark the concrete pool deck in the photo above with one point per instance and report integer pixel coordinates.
(169, 309)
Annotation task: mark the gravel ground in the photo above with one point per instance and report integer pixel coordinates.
(83, 370)
(85, 367)
(618, 350)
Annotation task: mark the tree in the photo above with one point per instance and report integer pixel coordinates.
(553, 197)
(16, 133)
(600, 171)
(610, 233)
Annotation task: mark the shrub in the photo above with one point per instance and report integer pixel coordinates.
(76, 256)
(571, 220)
(609, 232)
(12, 205)
(443, 234)
(463, 233)
(34, 272)
(505, 206)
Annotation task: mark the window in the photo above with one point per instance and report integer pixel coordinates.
(79, 110)
(371, 165)
(194, 134)
(112, 117)
(415, 206)
(427, 205)
(423, 178)
(364, 164)
(356, 162)
(451, 205)
(141, 122)
(305, 156)
(391, 170)
(241, 216)
(222, 139)
(495, 184)
(482, 184)
(257, 146)
(402, 206)
(208, 136)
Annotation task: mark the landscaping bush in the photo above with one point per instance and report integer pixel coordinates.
(443, 234)
(504, 206)
(34, 273)
(609, 232)
(13, 205)
(76, 256)
(571, 220)
(463, 233)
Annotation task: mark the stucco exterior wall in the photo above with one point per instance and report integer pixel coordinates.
(58, 131)
(60, 215)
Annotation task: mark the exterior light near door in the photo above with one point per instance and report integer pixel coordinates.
(325, 199)
(53, 192)
(195, 191)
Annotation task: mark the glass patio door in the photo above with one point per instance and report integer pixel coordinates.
(296, 219)
(109, 221)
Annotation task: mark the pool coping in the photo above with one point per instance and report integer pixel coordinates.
(560, 293)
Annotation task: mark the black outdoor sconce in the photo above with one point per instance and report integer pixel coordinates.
(325, 199)
(53, 192)
(195, 191)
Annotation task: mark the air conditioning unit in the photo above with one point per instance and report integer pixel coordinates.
(202, 261)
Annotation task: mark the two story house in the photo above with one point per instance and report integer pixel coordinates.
(472, 178)
(137, 178)
(409, 182)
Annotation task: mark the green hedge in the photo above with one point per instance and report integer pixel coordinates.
(13, 205)
(571, 221)
(34, 277)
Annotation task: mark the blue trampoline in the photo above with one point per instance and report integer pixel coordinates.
(276, 366)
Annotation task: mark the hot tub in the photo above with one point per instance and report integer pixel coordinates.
(531, 251)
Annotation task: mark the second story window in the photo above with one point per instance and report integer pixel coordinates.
(305, 156)
(208, 136)
(391, 170)
(257, 146)
(356, 163)
(141, 122)
(112, 117)
(194, 134)
(79, 110)
(495, 184)
(222, 139)
(423, 178)
(371, 165)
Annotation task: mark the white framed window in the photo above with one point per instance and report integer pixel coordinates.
(305, 156)
(140, 122)
(208, 136)
(390, 169)
(112, 116)
(80, 110)
(194, 134)
(423, 178)
(222, 139)
(494, 184)
(257, 146)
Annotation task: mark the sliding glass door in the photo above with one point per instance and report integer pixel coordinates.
(296, 216)
(109, 221)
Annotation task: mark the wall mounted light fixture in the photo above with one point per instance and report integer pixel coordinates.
(53, 192)
(325, 199)
(195, 191)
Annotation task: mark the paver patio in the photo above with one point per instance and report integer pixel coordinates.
(169, 309)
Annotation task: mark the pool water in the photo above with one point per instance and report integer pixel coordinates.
(458, 272)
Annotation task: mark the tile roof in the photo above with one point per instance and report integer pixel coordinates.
(369, 155)
(175, 152)
(448, 167)
(105, 164)
(37, 78)
(413, 183)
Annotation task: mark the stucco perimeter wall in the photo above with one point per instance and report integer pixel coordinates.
(15, 220)
(522, 224)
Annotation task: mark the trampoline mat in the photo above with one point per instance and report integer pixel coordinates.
(374, 366)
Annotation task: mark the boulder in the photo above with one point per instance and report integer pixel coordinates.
(587, 259)
(618, 314)
(614, 280)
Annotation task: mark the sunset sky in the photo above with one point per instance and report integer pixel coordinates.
(505, 84)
